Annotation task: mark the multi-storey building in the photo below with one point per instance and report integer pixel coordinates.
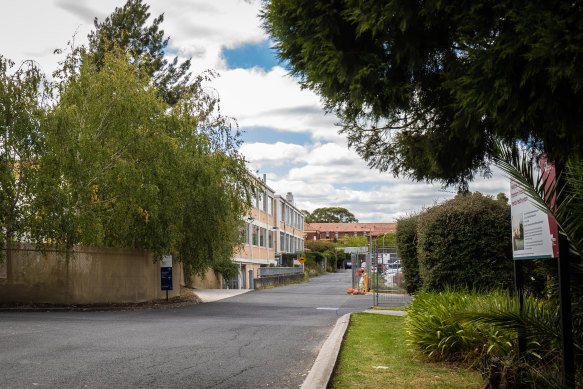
(273, 226)
(290, 224)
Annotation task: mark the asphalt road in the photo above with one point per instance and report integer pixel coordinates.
(261, 339)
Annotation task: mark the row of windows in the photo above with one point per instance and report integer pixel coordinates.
(263, 203)
(290, 243)
(258, 236)
(290, 216)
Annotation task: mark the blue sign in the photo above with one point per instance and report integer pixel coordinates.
(166, 278)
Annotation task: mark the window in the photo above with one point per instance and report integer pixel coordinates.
(270, 205)
(270, 239)
(336, 236)
(262, 237)
(260, 201)
(327, 235)
(281, 241)
(355, 233)
(254, 235)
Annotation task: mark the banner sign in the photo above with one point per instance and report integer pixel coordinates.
(534, 233)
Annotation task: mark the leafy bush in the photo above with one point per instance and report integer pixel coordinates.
(479, 328)
(406, 238)
(465, 242)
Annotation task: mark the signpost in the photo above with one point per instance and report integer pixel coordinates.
(302, 260)
(536, 235)
(166, 274)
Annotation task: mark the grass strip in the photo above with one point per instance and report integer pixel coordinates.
(374, 356)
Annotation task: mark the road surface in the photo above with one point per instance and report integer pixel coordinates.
(261, 339)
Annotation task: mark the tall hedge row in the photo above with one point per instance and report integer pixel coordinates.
(406, 238)
(465, 241)
(462, 242)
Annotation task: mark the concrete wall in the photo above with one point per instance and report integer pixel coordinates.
(210, 280)
(91, 275)
(262, 282)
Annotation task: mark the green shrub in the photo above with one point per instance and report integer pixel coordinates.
(406, 238)
(465, 242)
(482, 327)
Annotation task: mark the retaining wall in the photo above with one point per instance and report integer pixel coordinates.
(89, 276)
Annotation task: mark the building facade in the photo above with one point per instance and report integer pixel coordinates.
(273, 226)
(334, 232)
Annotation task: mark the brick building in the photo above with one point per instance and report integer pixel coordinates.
(336, 231)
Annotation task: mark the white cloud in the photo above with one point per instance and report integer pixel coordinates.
(273, 100)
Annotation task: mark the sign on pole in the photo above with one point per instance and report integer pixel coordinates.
(534, 233)
(166, 272)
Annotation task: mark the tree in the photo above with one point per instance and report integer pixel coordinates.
(23, 105)
(145, 44)
(386, 240)
(331, 215)
(353, 241)
(121, 168)
(423, 88)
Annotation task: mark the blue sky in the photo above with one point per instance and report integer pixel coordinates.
(286, 133)
(249, 55)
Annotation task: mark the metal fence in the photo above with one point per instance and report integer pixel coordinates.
(386, 278)
(278, 271)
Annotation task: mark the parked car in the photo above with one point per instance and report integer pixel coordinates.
(348, 265)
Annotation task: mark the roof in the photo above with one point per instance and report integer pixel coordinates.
(375, 228)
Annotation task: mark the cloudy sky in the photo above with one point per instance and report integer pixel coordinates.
(287, 135)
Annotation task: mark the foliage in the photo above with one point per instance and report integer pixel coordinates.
(386, 240)
(353, 241)
(331, 215)
(465, 242)
(406, 238)
(319, 245)
(114, 155)
(126, 28)
(287, 259)
(478, 327)
(422, 88)
(327, 249)
(22, 111)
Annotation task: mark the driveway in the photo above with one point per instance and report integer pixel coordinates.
(267, 338)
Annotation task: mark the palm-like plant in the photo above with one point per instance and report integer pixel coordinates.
(568, 187)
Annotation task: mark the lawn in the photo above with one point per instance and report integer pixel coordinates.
(374, 356)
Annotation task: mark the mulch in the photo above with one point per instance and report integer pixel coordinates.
(174, 302)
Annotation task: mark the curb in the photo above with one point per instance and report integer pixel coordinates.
(324, 365)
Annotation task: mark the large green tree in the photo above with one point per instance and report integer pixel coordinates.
(331, 215)
(121, 168)
(423, 88)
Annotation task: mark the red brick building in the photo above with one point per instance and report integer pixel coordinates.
(331, 231)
